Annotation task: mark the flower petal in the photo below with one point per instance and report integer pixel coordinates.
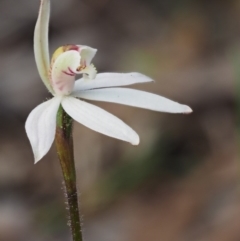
(109, 80)
(63, 72)
(87, 53)
(41, 50)
(41, 127)
(135, 98)
(99, 120)
(86, 68)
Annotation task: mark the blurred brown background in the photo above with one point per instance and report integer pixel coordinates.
(182, 182)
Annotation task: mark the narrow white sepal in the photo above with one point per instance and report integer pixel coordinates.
(135, 98)
(109, 80)
(41, 127)
(99, 120)
(41, 50)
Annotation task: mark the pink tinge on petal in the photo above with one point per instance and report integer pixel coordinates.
(64, 83)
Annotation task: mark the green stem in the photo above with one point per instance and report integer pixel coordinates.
(64, 144)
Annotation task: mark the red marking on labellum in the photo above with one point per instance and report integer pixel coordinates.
(69, 72)
(70, 47)
(74, 47)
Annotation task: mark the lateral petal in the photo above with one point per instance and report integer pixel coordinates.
(109, 80)
(99, 120)
(41, 50)
(135, 98)
(41, 127)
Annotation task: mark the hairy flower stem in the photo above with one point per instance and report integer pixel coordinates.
(64, 143)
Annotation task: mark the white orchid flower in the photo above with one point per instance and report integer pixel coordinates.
(59, 78)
